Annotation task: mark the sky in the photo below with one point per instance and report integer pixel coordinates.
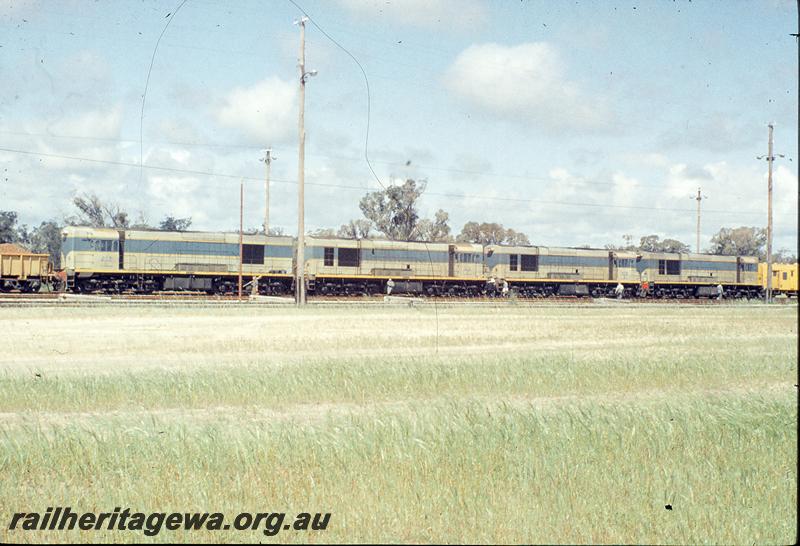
(575, 122)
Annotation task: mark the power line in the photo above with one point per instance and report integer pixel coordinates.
(246, 146)
(170, 17)
(601, 206)
(366, 83)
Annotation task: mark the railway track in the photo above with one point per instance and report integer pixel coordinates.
(190, 298)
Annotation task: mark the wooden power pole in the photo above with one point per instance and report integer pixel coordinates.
(268, 160)
(770, 159)
(300, 285)
(699, 198)
(241, 235)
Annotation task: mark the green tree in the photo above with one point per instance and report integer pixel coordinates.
(491, 233)
(436, 230)
(651, 243)
(43, 239)
(784, 256)
(355, 229)
(93, 212)
(46, 239)
(516, 238)
(325, 233)
(171, 223)
(741, 241)
(8, 226)
(393, 211)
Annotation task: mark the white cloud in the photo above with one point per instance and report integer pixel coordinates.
(459, 14)
(266, 111)
(100, 123)
(89, 133)
(177, 195)
(559, 173)
(525, 83)
(625, 188)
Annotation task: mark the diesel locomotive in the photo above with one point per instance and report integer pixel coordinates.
(146, 261)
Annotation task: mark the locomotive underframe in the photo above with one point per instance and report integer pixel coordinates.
(113, 283)
(123, 283)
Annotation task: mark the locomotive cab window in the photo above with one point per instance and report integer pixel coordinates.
(103, 245)
(513, 261)
(253, 254)
(328, 256)
(669, 267)
(530, 263)
(349, 257)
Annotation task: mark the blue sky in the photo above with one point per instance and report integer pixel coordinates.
(575, 122)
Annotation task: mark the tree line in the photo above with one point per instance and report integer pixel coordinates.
(90, 210)
(391, 213)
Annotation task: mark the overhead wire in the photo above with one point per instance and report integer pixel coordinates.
(477, 197)
(366, 140)
(170, 18)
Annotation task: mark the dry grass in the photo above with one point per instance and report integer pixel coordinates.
(544, 424)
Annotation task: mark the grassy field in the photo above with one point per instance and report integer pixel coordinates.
(513, 424)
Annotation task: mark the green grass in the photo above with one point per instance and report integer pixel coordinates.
(528, 425)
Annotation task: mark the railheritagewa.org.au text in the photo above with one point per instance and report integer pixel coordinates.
(152, 523)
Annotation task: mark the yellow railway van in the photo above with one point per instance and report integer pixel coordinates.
(784, 278)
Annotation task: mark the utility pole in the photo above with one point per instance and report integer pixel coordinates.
(241, 229)
(770, 158)
(698, 199)
(300, 285)
(268, 159)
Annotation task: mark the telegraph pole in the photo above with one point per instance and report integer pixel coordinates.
(300, 285)
(268, 160)
(698, 199)
(241, 229)
(770, 159)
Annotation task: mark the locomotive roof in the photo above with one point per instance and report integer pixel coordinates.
(621, 252)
